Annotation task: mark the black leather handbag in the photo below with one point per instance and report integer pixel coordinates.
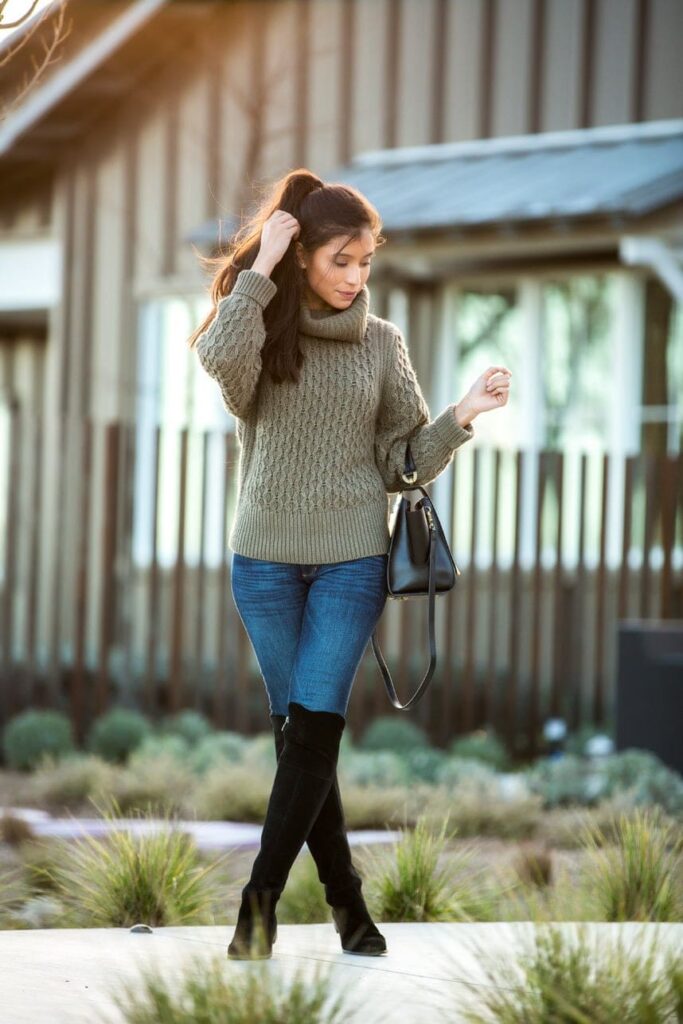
(420, 564)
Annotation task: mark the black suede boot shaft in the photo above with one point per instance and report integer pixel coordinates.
(303, 778)
(329, 846)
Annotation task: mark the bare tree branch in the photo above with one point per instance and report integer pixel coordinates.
(22, 19)
(59, 33)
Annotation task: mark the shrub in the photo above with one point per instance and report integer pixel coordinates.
(209, 994)
(217, 748)
(31, 735)
(577, 741)
(122, 879)
(407, 883)
(381, 768)
(424, 764)
(377, 807)
(567, 780)
(161, 781)
(481, 746)
(259, 753)
(645, 779)
(570, 980)
(455, 770)
(72, 780)
(39, 857)
(476, 807)
(233, 793)
(636, 775)
(116, 734)
(303, 900)
(191, 726)
(13, 893)
(170, 746)
(533, 865)
(15, 830)
(393, 734)
(638, 879)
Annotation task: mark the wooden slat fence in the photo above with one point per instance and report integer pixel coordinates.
(86, 623)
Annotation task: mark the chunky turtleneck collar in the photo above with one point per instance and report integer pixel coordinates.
(339, 325)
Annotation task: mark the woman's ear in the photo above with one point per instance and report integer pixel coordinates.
(299, 251)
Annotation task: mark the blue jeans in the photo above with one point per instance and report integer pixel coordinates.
(309, 625)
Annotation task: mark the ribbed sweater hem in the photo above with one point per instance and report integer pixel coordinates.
(311, 538)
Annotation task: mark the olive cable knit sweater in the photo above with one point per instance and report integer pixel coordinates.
(318, 458)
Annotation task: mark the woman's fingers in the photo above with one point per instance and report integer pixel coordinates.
(498, 377)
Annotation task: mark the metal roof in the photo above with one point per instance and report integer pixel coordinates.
(618, 171)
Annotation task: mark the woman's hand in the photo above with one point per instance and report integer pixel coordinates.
(276, 235)
(490, 391)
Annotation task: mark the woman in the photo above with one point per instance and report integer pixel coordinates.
(325, 398)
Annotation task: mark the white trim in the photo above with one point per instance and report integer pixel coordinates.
(666, 261)
(531, 426)
(30, 274)
(608, 134)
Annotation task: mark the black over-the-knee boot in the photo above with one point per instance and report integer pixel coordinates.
(303, 778)
(329, 847)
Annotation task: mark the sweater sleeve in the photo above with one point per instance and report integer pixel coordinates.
(404, 417)
(230, 348)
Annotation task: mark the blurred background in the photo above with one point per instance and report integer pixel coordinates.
(527, 159)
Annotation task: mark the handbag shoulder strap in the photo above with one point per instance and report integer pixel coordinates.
(388, 682)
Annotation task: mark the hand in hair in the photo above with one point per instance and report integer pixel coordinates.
(276, 235)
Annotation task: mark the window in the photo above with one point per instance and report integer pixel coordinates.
(577, 355)
(174, 392)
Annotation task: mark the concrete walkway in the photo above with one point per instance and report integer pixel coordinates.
(209, 835)
(68, 976)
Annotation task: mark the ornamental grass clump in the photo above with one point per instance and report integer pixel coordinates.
(408, 882)
(210, 992)
(124, 879)
(569, 978)
(640, 876)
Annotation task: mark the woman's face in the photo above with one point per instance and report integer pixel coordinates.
(337, 271)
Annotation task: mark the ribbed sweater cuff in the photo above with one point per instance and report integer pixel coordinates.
(449, 430)
(255, 285)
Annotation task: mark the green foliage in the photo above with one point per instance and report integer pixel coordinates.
(13, 893)
(216, 749)
(32, 735)
(116, 734)
(39, 858)
(636, 774)
(163, 745)
(454, 771)
(481, 746)
(576, 741)
(567, 780)
(163, 781)
(233, 793)
(424, 764)
(210, 994)
(374, 807)
(381, 768)
(646, 780)
(393, 734)
(72, 780)
(638, 878)
(567, 979)
(303, 899)
(123, 879)
(476, 807)
(408, 884)
(191, 726)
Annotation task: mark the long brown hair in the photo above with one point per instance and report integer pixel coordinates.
(324, 211)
